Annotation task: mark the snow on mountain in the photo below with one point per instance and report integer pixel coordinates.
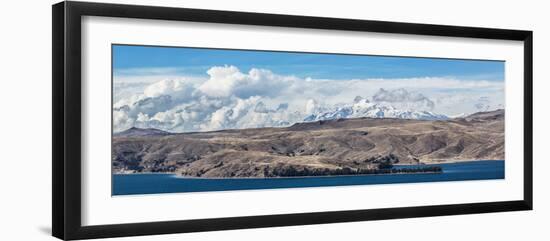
(363, 108)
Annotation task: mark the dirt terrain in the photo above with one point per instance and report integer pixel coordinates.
(316, 148)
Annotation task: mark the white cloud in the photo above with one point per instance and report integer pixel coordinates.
(180, 89)
(229, 80)
(403, 97)
(311, 106)
(223, 81)
(229, 98)
(121, 120)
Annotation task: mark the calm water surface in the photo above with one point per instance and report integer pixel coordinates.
(124, 184)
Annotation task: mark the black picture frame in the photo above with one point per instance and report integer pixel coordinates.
(66, 75)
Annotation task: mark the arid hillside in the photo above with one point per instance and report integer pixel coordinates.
(321, 147)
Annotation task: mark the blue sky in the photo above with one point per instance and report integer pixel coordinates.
(145, 60)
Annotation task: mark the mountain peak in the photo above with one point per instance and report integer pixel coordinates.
(364, 108)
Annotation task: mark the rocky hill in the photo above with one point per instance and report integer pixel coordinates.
(354, 145)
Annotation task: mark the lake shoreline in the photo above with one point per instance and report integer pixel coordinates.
(176, 175)
(246, 178)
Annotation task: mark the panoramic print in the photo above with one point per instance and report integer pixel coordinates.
(200, 119)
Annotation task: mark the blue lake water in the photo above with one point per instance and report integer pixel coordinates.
(125, 184)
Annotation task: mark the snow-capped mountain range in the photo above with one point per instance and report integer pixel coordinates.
(364, 108)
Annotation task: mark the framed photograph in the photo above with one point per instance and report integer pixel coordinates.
(171, 120)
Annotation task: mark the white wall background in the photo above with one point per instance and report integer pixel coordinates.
(25, 119)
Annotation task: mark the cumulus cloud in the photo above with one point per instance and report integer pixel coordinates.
(121, 120)
(311, 106)
(484, 103)
(179, 88)
(229, 80)
(403, 97)
(228, 98)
